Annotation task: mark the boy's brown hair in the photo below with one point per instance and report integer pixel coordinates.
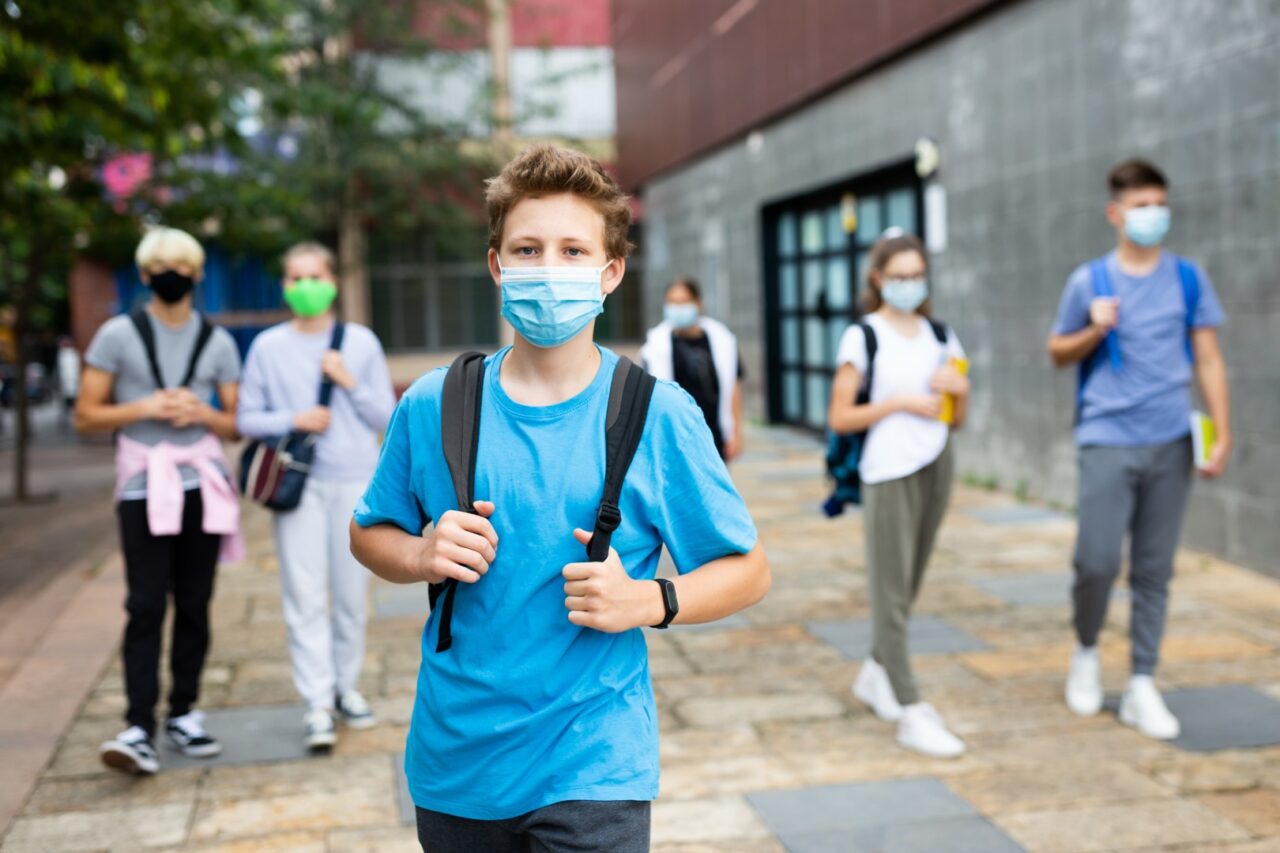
(1134, 174)
(545, 169)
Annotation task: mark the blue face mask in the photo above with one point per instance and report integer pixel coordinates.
(548, 306)
(680, 315)
(905, 294)
(1147, 226)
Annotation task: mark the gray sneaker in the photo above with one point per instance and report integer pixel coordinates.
(355, 711)
(320, 736)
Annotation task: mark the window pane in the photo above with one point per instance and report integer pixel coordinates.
(789, 287)
(869, 226)
(815, 344)
(902, 210)
(791, 380)
(791, 340)
(817, 389)
(811, 232)
(812, 283)
(860, 279)
(835, 331)
(836, 237)
(787, 235)
(838, 284)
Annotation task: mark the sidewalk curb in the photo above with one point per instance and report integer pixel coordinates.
(40, 701)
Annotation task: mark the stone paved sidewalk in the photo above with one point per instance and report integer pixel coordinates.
(764, 748)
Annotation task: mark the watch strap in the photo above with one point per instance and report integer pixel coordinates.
(670, 604)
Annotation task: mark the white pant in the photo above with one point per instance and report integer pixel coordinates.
(325, 590)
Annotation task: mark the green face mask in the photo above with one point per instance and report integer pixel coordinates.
(310, 297)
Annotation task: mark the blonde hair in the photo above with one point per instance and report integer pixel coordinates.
(169, 246)
(310, 247)
(546, 169)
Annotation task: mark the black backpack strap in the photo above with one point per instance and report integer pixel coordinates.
(142, 323)
(864, 388)
(939, 330)
(629, 397)
(202, 339)
(459, 440)
(335, 344)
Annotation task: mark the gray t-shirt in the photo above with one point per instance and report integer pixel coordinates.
(118, 349)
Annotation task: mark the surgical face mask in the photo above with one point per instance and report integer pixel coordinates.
(905, 294)
(171, 286)
(680, 315)
(548, 306)
(1147, 226)
(310, 297)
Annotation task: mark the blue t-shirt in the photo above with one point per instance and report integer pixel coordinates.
(1148, 400)
(527, 709)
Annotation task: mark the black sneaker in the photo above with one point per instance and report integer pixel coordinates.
(188, 735)
(131, 752)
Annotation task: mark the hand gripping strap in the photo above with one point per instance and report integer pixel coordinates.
(629, 397)
(460, 440)
(335, 344)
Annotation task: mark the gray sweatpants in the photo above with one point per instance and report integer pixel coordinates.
(325, 590)
(901, 519)
(1140, 491)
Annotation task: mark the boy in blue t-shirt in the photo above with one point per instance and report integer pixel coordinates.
(537, 729)
(1142, 321)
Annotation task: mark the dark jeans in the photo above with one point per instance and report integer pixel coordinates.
(155, 566)
(575, 826)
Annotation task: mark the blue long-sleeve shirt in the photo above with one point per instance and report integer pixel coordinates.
(282, 378)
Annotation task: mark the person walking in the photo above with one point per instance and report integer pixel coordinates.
(149, 377)
(910, 366)
(1140, 323)
(324, 589)
(700, 355)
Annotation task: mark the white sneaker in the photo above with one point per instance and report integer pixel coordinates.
(188, 734)
(130, 751)
(1143, 708)
(355, 711)
(1084, 682)
(872, 688)
(320, 735)
(922, 730)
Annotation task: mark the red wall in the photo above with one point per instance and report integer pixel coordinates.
(534, 23)
(693, 75)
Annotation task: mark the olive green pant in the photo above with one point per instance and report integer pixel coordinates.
(901, 519)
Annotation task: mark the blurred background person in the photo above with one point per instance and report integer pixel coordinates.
(149, 376)
(68, 370)
(700, 355)
(324, 588)
(906, 469)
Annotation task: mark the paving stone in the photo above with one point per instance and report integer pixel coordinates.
(709, 777)
(927, 635)
(286, 842)
(901, 815)
(1120, 827)
(1257, 811)
(1034, 590)
(722, 819)
(318, 774)
(124, 828)
(404, 800)
(733, 710)
(358, 806)
(392, 601)
(114, 791)
(1215, 718)
(1010, 790)
(248, 735)
(1015, 514)
(383, 840)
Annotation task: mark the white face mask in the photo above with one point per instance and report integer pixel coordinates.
(905, 294)
(680, 315)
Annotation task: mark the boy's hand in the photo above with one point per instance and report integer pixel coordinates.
(1104, 312)
(190, 409)
(462, 547)
(161, 405)
(604, 597)
(1217, 464)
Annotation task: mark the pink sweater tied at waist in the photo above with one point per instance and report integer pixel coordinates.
(165, 495)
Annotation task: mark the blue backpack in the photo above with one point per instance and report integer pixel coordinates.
(1110, 349)
(844, 450)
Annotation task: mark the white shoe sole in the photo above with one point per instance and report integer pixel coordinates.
(1090, 709)
(209, 750)
(931, 753)
(359, 723)
(321, 742)
(1127, 717)
(119, 757)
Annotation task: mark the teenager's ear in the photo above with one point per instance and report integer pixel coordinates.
(495, 271)
(1114, 215)
(613, 274)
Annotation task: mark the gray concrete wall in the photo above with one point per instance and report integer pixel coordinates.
(1031, 105)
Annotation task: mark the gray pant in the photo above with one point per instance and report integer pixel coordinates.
(901, 519)
(1141, 491)
(325, 590)
(574, 826)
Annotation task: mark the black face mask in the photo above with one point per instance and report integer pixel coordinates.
(171, 286)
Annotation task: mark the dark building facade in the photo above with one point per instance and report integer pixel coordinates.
(771, 141)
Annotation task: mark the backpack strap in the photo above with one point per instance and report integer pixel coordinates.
(1190, 279)
(459, 440)
(864, 388)
(142, 323)
(1100, 283)
(335, 344)
(629, 397)
(939, 330)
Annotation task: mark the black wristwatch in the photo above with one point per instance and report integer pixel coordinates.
(669, 601)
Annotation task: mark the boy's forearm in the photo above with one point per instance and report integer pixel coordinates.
(1076, 346)
(1212, 375)
(383, 549)
(107, 417)
(720, 588)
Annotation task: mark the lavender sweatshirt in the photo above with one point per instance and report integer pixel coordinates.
(282, 377)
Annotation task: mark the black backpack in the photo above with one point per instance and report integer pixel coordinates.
(844, 450)
(460, 407)
(142, 323)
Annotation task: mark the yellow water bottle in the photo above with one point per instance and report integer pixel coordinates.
(948, 413)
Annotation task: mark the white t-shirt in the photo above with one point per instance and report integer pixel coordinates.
(902, 443)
